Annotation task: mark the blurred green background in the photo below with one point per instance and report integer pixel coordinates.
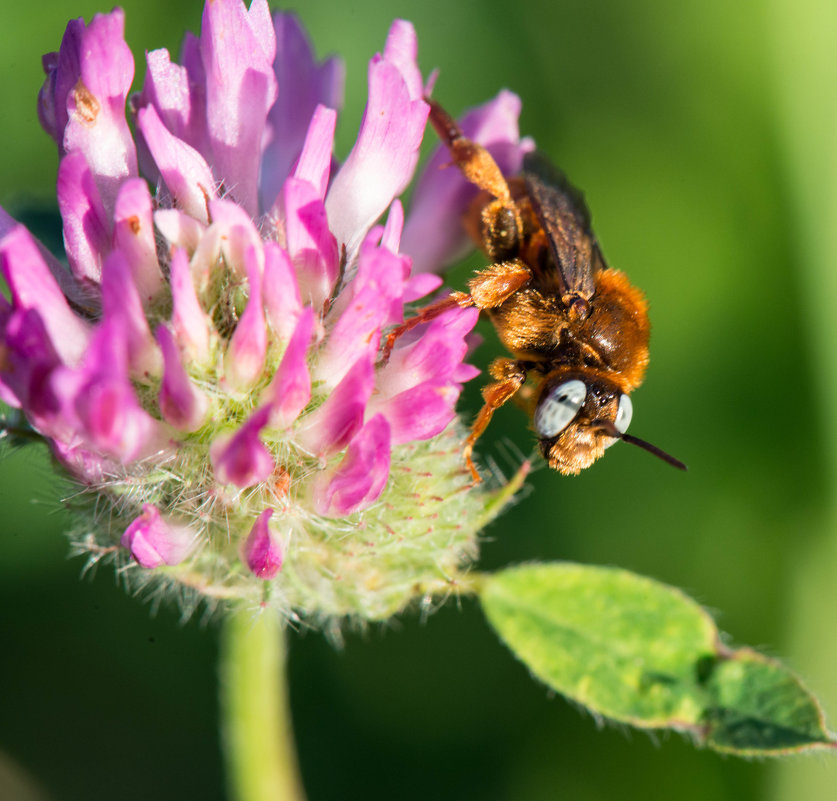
(704, 136)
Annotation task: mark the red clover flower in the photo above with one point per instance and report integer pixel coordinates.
(206, 366)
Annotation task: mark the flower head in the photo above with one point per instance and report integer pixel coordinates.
(208, 365)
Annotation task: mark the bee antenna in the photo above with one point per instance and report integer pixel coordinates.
(611, 430)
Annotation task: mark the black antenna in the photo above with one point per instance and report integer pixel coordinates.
(610, 429)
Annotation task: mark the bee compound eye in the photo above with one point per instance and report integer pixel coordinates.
(624, 414)
(559, 407)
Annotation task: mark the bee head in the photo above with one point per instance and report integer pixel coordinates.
(579, 415)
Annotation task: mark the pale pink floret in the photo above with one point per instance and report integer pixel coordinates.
(384, 157)
(238, 46)
(155, 541)
(133, 235)
(263, 552)
(244, 361)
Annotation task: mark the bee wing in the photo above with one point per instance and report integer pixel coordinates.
(565, 218)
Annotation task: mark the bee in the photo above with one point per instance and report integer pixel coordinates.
(577, 330)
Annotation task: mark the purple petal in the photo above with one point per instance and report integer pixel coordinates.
(87, 228)
(303, 84)
(183, 405)
(96, 123)
(62, 72)
(434, 235)
(362, 474)
(133, 234)
(121, 299)
(246, 351)
(83, 464)
(187, 175)
(329, 428)
(384, 157)
(29, 359)
(238, 47)
(241, 458)
(282, 301)
(262, 551)
(190, 324)
(290, 389)
(154, 541)
(310, 243)
(401, 49)
(33, 287)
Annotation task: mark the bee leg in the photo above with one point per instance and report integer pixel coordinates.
(474, 160)
(510, 375)
(489, 288)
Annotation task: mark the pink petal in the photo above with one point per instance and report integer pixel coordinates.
(303, 84)
(384, 157)
(238, 235)
(76, 292)
(329, 428)
(262, 551)
(155, 541)
(110, 415)
(282, 301)
(187, 175)
(241, 458)
(238, 47)
(179, 100)
(309, 241)
(121, 299)
(179, 228)
(290, 390)
(421, 412)
(374, 300)
(362, 475)
(434, 235)
(95, 105)
(33, 287)
(190, 323)
(314, 163)
(436, 354)
(133, 234)
(87, 228)
(244, 360)
(183, 405)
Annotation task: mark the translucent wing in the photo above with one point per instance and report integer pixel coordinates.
(565, 219)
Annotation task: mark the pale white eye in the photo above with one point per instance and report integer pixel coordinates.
(557, 410)
(624, 414)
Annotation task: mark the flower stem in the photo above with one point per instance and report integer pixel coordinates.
(257, 732)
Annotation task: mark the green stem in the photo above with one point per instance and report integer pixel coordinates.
(257, 732)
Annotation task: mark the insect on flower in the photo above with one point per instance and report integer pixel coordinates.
(576, 328)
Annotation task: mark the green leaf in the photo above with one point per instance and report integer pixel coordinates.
(640, 652)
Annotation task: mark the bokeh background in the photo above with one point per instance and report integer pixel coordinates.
(704, 135)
